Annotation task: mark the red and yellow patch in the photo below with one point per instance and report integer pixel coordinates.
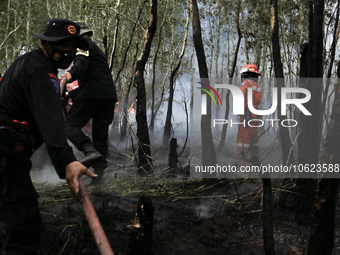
(71, 29)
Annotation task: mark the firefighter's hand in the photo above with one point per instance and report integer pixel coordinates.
(68, 76)
(73, 172)
(67, 96)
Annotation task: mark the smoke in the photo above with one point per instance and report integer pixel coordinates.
(47, 175)
(42, 169)
(203, 210)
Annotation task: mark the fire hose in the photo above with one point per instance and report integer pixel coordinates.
(91, 216)
(63, 89)
(95, 226)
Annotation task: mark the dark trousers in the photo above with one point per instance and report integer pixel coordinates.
(101, 111)
(19, 211)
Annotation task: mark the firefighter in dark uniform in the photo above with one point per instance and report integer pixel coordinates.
(31, 114)
(95, 98)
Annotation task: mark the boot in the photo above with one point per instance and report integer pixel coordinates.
(91, 155)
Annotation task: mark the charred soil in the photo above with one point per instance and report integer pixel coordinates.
(192, 216)
(196, 217)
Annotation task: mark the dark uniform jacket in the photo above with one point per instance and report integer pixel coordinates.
(29, 91)
(93, 75)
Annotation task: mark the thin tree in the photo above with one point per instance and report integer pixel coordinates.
(130, 42)
(231, 75)
(127, 96)
(332, 56)
(153, 112)
(267, 212)
(168, 125)
(208, 150)
(321, 240)
(144, 150)
(311, 124)
(304, 187)
(287, 155)
(115, 34)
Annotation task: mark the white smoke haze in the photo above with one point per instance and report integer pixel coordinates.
(43, 171)
(47, 175)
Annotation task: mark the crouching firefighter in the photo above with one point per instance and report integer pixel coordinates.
(95, 99)
(30, 115)
(247, 136)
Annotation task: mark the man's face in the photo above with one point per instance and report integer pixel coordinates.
(65, 45)
(61, 53)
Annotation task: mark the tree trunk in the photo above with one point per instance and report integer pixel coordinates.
(332, 55)
(115, 34)
(310, 38)
(321, 240)
(141, 236)
(316, 99)
(312, 123)
(226, 117)
(126, 99)
(168, 125)
(208, 150)
(311, 126)
(267, 217)
(105, 37)
(218, 36)
(191, 86)
(303, 201)
(114, 44)
(130, 42)
(287, 154)
(267, 212)
(304, 187)
(309, 148)
(231, 75)
(28, 20)
(322, 233)
(153, 113)
(144, 150)
(173, 157)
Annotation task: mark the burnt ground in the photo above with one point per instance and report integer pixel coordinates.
(192, 216)
(201, 218)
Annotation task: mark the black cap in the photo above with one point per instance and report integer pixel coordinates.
(84, 29)
(58, 29)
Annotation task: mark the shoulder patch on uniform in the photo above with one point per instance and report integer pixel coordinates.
(85, 53)
(55, 81)
(54, 76)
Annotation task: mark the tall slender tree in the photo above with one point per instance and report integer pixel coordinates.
(208, 149)
(231, 74)
(153, 113)
(321, 240)
(168, 125)
(144, 151)
(287, 155)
